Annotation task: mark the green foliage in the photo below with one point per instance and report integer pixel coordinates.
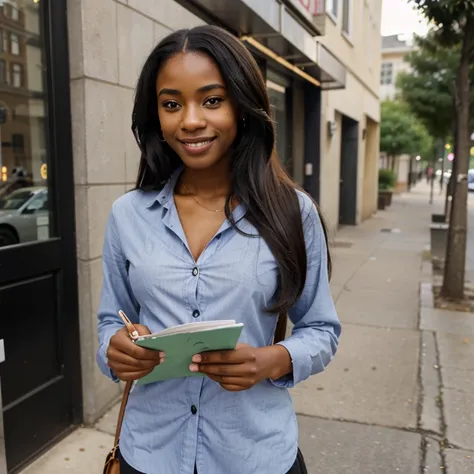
(428, 88)
(387, 179)
(449, 18)
(401, 132)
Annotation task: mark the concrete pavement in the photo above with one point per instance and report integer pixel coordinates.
(398, 396)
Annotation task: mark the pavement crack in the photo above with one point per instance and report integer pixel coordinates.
(444, 443)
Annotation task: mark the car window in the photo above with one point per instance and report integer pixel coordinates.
(15, 200)
(38, 203)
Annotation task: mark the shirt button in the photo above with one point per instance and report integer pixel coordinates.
(193, 409)
(195, 271)
(196, 313)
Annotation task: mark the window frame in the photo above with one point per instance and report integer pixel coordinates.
(16, 35)
(330, 11)
(386, 72)
(17, 69)
(350, 9)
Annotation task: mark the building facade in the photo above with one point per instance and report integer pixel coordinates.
(67, 88)
(351, 116)
(393, 52)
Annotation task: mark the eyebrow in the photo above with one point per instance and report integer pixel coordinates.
(206, 88)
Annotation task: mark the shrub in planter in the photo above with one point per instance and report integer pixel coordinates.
(387, 181)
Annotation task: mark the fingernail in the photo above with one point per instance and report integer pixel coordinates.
(194, 368)
(162, 359)
(196, 358)
(162, 354)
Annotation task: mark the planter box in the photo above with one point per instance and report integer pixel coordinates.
(438, 218)
(381, 203)
(439, 240)
(387, 196)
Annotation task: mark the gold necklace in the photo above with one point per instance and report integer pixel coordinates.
(198, 203)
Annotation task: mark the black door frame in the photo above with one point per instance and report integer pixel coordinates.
(312, 139)
(25, 261)
(349, 156)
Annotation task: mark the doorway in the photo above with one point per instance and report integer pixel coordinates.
(40, 378)
(348, 171)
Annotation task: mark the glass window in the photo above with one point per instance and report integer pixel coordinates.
(24, 151)
(14, 44)
(386, 74)
(332, 7)
(17, 75)
(3, 72)
(15, 14)
(346, 16)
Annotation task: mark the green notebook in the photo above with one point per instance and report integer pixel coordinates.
(181, 342)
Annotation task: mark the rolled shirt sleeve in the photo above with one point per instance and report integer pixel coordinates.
(116, 294)
(317, 329)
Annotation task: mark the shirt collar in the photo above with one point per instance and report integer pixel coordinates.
(166, 193)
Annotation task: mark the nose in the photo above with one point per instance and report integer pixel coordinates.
(193, 118)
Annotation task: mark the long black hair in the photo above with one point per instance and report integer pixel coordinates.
(257, 177)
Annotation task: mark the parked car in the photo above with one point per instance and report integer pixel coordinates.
(470, 179)
(19, 212)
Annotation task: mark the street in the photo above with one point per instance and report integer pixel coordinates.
(398, 396)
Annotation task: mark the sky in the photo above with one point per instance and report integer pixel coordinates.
(398, 17)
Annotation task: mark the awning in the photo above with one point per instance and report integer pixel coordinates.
(279, 31)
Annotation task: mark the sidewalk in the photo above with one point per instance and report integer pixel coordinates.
(368, 413)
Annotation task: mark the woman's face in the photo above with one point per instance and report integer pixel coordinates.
(198, 118)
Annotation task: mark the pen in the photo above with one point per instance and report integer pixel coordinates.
(132, 331)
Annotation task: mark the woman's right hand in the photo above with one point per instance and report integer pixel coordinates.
(129, 361)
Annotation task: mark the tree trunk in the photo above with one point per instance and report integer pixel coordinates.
(450, 186)
(454, 269)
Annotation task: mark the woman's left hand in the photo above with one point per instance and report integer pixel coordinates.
(243, 367)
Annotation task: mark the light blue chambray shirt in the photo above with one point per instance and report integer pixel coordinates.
(149, 272)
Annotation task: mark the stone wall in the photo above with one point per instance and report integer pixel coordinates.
(108, 42)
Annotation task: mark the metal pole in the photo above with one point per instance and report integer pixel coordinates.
(432, 178)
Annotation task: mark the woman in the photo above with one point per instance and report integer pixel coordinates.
(214, 230)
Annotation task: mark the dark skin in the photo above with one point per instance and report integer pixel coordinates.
(199, 122)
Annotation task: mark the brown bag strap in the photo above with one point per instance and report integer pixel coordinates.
(280, 330)
(126, 393)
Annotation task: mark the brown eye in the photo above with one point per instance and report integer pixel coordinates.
(213, 101)
(171, 105)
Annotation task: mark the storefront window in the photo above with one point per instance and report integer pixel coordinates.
(24, 203)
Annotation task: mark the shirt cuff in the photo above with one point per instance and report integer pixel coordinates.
(301, 362)
(102, 357)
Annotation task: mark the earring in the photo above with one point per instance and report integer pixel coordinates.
(159, 138)
(244, 123)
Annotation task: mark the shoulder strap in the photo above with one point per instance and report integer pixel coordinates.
(126, 393)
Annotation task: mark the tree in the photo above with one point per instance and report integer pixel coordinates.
(454, 25)
(401, 132)
(428, 89)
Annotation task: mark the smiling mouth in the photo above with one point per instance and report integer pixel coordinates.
(197, 144)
